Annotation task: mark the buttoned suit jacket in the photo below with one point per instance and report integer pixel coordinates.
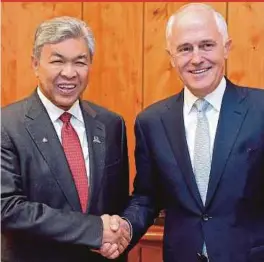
(41, 215)
(231, 222)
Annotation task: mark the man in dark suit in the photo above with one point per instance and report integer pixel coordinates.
(200, 154)
(64, 161)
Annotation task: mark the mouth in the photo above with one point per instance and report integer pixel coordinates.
(200, 71)
(66, 88)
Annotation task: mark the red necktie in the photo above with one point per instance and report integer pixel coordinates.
(74, 154)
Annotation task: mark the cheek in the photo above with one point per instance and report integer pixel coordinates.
(180, 65)
(48, 75)
(183, 64)
(217, 58)
(84, 75)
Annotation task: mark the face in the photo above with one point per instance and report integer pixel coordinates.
(198, 52)
(63, 71)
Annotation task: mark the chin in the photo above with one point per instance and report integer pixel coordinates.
(199, 90)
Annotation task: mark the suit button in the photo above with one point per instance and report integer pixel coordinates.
(205, 217)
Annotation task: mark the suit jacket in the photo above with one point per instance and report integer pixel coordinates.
(41, 215)
(231, 222)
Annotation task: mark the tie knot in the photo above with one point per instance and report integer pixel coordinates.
(201, 105)
(65, 117)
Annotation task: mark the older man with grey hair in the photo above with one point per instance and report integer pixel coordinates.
(200, 153)
(64, 161)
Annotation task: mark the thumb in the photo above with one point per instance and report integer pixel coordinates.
(114, 222)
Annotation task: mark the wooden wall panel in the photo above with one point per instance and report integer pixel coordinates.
(116, 78)
(131, 68)
(245, 65)
(19, 21)
(160, 78)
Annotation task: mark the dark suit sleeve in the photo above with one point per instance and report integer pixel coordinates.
(144, 205)
(21, 215)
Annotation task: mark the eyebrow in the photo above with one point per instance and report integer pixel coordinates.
(84, 56)
(207, 41)
(202, 42)
(183, 45)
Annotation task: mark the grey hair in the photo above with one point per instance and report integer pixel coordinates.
(61, 28)
(219, 19)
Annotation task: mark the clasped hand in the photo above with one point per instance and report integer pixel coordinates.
(116, 236)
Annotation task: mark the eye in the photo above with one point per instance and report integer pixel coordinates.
(207, 46)
(185, 49)
(80, 63)
(57, 62)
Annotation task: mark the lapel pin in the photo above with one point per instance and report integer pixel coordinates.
(96, 139)
(44, 140)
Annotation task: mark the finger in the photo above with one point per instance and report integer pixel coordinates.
(121, 247)
(123, 243)
(126, 234)
(114, 222)
(114, 255)
(95, 250)
(113, 249)
(105, 248)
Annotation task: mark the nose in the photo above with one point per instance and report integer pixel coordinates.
(68, 71)
(196, 57)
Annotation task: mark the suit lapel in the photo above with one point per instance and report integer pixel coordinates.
(174, 125)
(95, 131)
(42, 131)
(232, 115)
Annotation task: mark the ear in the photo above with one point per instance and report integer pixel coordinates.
(171, 57)
(227, 48)
(35, 64)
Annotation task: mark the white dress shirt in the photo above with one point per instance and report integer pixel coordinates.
(212, 114)
(77, 122)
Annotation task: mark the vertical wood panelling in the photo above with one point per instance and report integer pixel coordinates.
(246, 27)
(19, 21)
(131, 68)
(116, 77)
(160, 78)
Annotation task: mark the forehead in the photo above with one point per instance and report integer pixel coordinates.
(195, 28)
(69, 48)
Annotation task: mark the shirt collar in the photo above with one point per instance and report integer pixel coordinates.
(55, 112)
(215, 98)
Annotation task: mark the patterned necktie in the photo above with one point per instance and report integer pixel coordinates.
(202, 156)
(74, 154)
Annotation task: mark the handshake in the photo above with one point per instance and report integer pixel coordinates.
(116, 236)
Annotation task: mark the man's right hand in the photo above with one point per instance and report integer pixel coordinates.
(116, 236)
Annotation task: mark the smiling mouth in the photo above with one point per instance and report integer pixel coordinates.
(200, 71)
(67, 87)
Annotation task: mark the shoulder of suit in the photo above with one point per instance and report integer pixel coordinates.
(102, 111)
(255, 95)
(256, 99)
(157, 108)
(14, 110)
